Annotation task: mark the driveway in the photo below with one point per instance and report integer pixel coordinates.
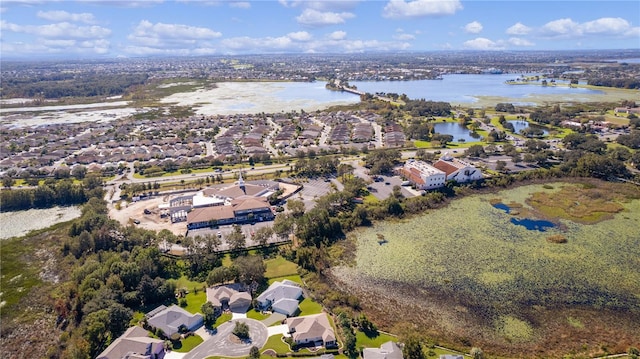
(220, 344)
(281, 329)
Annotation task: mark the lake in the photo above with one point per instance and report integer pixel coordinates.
(19, 223)
(464, 88)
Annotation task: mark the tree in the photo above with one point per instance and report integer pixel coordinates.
(79, 172)
(249, 269)
(262, 235)
(500, 165)
(219, 275)
(475, 151)
(236, 239)
(209, 313)
(634, 353)
(412, 348)
(296, 207)
(8, 182)
(119, 318)
(241, 330)
(254, 352)
(476, 353)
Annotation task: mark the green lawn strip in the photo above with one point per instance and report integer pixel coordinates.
(257, 315)
(225, 317)
(279, 267)
(275, 343)
(308, 307)
(187, 344)
(363, 341)
(294, 278)
(422, 144)
(370, 199)
(226, 260)
(190, 285)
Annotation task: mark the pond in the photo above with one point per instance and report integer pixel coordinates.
(465, 88)
(19, 223)
(519, 125)
(456, 130)
(528, 223)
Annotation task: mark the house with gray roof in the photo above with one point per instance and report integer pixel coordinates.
(134, 343)
(388, 350)
(170, 320)
(451, 356)
(282, 297)
(229, 297)
(312, 330)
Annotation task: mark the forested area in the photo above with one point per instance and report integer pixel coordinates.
(52, 192)
(422, 107)
(62, 84)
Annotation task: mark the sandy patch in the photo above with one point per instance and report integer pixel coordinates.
(22, 120)
(135, 210)
(64, 107)
(174, 84)
(251, 97)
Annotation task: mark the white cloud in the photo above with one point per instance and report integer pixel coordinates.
(240, 4)
(605, 26)
(60, 15)
(312, 17)
(59, 30)
(561, 27)
(482, 43)
(161, 31)
(124, 3)
(338, 35)
(321, 5)
(516, 41)
(473, 27)
(300, 36)
(398, 9)
(404, 37)
(518, 29)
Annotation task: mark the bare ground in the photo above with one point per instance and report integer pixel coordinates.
(135, 210)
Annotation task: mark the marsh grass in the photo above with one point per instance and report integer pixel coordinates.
(471, 253)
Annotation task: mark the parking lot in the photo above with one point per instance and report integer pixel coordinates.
(383, 189)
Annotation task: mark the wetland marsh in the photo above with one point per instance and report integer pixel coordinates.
(470, 271)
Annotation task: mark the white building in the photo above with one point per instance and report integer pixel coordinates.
(457, 170)
(423, 175)
(447, 168)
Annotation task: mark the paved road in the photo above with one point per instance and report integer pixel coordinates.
(219, 344)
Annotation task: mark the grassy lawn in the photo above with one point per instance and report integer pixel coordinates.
(438, 352)
(184, 282)
(294, 278)
(275, 342)
(362, 340)
(279, 267)
(187, 344)
(308, 307)
(195, 301)
(370, 199)
(225, 317)
(226, 260)
(254, 314)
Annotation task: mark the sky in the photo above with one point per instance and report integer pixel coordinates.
(140, 28)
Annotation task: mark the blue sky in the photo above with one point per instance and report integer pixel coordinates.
(113, 28)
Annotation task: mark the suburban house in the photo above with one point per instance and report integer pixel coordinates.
(134, 343)
(229, 297)
(628, 110)
(282, 297)
(388, 350)
(451, 356)
(423, 175)
(456, 169)
(312, 330)
(172, 319)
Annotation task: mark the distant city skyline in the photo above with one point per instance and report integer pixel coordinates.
(41, 29)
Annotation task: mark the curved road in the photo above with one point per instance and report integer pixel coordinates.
(219, 343)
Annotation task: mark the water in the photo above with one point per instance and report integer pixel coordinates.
(19, 223)
(465, 88)
(456, 130)
(629, 61)
(520, 125)
(530, 224)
